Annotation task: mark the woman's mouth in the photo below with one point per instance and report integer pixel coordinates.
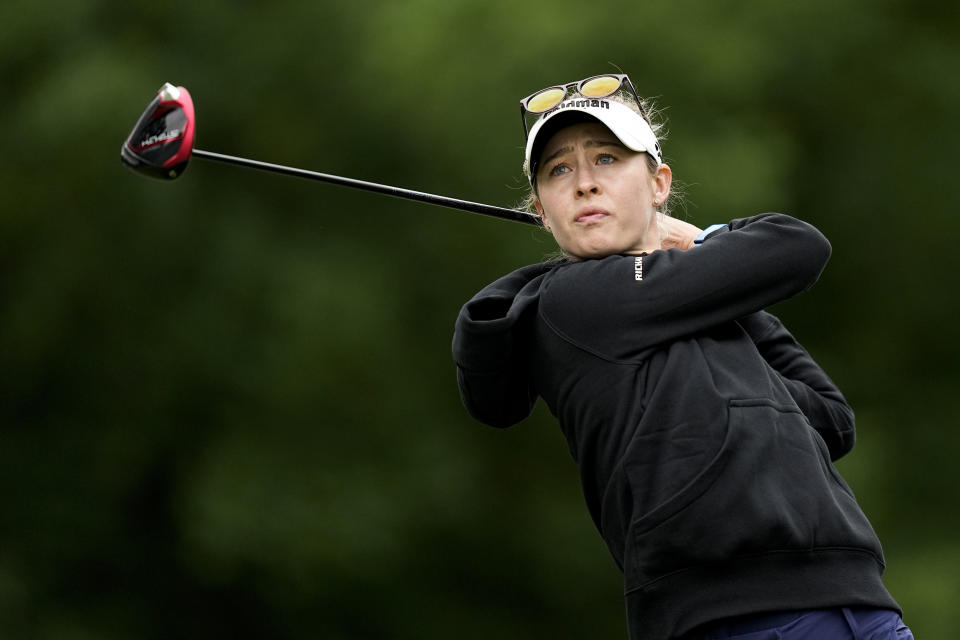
(590, 216)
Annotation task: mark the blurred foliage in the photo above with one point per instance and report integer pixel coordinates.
(229, 408)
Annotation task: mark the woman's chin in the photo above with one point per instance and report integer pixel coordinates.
(594, 251)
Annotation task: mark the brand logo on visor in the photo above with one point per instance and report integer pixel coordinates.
(578, 103)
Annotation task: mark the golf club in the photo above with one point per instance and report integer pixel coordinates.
(161, 145)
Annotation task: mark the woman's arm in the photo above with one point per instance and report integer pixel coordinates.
(489, 348)
(813, 391)
(623, 306)
(811, 388)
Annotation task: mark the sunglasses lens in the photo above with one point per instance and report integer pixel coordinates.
(600, 86)
(546, 99)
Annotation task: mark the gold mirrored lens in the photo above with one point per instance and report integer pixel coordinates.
(546, 99)
(600, 87)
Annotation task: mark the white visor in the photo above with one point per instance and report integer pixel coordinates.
(629, 126)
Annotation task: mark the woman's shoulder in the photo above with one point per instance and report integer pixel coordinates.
(522, 277)
(505, 299)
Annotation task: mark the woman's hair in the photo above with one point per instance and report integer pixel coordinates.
(649, 113)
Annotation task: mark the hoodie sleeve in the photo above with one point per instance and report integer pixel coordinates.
(622, 307)
(813, 391)
(490, 344)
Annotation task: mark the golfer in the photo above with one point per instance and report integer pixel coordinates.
(704, 433)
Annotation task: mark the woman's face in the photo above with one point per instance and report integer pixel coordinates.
(596, 196)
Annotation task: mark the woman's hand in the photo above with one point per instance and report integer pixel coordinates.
(676, 234)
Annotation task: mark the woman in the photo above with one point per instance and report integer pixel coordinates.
(703, 431)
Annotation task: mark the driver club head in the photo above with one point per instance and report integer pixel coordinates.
(161, 142)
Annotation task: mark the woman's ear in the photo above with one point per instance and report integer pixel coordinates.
(543, 216)
(662, 179)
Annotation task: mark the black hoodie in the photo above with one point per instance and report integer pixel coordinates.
(703, 431)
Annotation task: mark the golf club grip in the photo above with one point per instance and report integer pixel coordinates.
(419, 196)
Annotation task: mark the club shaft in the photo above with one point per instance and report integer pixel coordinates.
(409, 194)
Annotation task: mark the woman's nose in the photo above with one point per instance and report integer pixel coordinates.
(586, 182)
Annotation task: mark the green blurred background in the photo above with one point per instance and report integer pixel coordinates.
(229, 407)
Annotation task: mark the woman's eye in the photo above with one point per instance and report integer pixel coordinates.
(559, 170)
(605, 159)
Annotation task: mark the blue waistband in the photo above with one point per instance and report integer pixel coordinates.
(821, 623)
(750, 623)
